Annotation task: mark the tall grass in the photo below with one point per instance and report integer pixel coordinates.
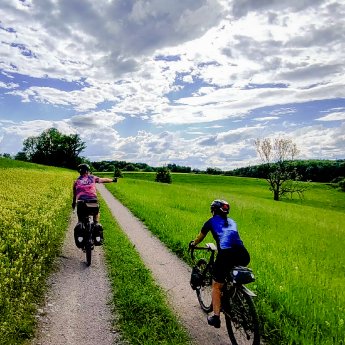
(296, 246)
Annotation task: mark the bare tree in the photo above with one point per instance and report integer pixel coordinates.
(276, 153)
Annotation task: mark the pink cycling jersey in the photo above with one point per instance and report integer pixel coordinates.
(85, 187)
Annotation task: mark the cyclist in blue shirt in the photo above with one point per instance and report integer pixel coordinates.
(231, 251)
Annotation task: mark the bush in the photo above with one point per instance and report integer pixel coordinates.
(163, 175)
(117, 172)
(341, 184)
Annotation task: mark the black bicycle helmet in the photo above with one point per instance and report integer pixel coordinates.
(220, 207)
(83, 168)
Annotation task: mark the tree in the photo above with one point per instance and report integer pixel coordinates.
(6, 155)
(130, 167)
(21, 156)
(163, 175)
(282, 178)
(117, 172)
(54, 148)
(213, 171)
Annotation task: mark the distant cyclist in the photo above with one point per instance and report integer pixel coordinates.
(231, 251)
(84, 188)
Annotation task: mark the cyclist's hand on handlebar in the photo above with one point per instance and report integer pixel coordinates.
(191, 245)
(114, 179)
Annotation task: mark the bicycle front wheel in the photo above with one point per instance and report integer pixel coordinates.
(89, 244)
(241, 318)
(204, 292)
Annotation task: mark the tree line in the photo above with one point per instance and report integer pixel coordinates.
(308, 170)
(111, 165)
(280, 168)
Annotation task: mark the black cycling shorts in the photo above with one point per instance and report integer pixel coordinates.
(227, 259)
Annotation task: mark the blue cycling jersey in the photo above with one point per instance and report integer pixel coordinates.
(225, 236)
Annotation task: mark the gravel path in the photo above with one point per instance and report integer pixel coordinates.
(76, 308)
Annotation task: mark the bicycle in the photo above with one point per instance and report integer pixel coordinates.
(88, 237)
(237, 300)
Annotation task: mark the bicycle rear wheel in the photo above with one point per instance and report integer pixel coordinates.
(241, 318)
(204, 292)
(88, 251)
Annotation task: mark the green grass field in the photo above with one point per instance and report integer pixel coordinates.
(296, 248)
(296, 245)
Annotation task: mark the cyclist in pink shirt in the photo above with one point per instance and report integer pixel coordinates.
(84, 192)
(84, 188)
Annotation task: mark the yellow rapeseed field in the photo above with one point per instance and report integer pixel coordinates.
(34, 212)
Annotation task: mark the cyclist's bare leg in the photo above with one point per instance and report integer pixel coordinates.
(216, 296)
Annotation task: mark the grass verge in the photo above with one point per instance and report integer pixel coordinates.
(143, 314)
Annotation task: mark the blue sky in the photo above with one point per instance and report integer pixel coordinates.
(191, 82)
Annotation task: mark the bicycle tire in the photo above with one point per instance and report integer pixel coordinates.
(204, 292)
(88, 245)
(241, 318)
(88, 252)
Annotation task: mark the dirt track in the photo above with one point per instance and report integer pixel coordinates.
(77, 310)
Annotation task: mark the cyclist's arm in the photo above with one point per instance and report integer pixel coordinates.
(105, 180)
(203, 232)
(199, 238)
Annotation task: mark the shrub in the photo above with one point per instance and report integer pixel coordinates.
(117, 172)
(163, 175)
(341, 184)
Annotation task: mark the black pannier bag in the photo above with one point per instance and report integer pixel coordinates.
(242, 275)
(79, 235)
(195, 278)
(97, 234)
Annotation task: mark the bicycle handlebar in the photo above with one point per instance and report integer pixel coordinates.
(209, 247)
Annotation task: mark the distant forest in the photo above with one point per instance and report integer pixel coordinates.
(307, 170)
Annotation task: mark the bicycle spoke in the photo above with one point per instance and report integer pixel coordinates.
(241, 319)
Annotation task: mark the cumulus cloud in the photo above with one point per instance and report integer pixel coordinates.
(232, 69)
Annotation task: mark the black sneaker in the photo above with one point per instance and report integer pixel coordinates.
(214, 321)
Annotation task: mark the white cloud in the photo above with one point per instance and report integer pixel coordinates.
(337, 116)
(8, 85)
(267, 118)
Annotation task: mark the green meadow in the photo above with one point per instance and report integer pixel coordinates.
(296, 248)
(296, 245)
